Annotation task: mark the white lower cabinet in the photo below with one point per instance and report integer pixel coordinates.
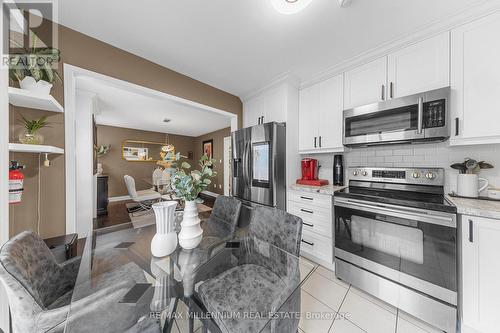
(480, 270)
(316, 212)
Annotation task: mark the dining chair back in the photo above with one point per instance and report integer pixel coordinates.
(278, 228)
(224, 217)
(130, 183)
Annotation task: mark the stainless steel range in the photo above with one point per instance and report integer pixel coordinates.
(396, 238)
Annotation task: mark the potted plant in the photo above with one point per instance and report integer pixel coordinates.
(187, 186)
(33, 67)
(30, 134)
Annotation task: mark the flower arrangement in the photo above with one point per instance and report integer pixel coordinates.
(188, 184)
(102, 150)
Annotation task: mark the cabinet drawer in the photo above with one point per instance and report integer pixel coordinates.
(320, 200)
(317, 246)
(315, 219)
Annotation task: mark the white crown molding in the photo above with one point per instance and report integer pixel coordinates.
(483, 8)
(280, 79)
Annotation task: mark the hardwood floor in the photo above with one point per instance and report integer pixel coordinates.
(117, 214)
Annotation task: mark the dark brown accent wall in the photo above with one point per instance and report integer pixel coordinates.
(218, 138)
(83, 51)
(116, 167)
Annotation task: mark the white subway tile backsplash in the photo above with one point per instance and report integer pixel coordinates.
(393, 159)
(403, 152)
(426, 155)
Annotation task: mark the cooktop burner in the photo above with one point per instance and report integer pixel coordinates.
(411, 187)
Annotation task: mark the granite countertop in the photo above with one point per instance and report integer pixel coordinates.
(476, 207)
(326, 189)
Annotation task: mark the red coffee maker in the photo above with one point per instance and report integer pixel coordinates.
(310, 168)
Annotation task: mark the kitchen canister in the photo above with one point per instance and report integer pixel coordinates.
(468, 185)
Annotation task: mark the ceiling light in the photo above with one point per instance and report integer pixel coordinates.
(290, 6)
(166, 120)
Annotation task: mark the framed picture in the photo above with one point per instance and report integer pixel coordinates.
(208, 148)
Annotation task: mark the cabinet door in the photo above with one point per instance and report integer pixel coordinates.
(275, 105)
(420, 67)
(475, 66)
(480, 273)
(308, 118)
(330, 113)
(366, 84)
(252, 110)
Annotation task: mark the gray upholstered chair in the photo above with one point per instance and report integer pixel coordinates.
(264, 278)
(40, 291)
(223, 219)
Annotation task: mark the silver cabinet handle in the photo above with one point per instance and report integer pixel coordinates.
(315, 145)
(420, 116)
(320, 141)
(391, 89)
(312, 244)
(262, 119)
(457, 128)
(306, 211)
(307, 224)
(383, 92)
(306, 198)
(471, 231)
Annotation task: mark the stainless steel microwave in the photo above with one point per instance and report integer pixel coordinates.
(417, 118)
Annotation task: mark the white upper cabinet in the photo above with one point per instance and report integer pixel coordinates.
(330, 113)
(480, 274)
(308, 118)
(420, 67)
(266, 107)
(366, 84)
(475, 73)
(320, 117)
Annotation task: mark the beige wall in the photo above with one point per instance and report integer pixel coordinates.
(218, 138)
(116, 167)
(86, 52)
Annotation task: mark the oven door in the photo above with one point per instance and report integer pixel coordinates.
(413, 247)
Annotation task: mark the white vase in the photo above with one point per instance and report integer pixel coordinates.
(165, 240)
(191, 232)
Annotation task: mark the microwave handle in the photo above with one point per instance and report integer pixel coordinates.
(420, 119)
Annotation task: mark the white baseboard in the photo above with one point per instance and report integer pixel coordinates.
(212, 194)
(122, 198)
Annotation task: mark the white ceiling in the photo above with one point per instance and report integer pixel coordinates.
(241, 45)
(121, 107)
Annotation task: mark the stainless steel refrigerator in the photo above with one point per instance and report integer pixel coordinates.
(258, 165)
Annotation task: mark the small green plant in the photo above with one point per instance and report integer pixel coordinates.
(188, 184)
(33, 126)
(35, 62)
(102, 150)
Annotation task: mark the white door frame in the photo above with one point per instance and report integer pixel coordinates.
(4, 182)
(71, 73)
(227, 165)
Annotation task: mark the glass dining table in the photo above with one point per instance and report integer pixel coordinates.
(120, 284)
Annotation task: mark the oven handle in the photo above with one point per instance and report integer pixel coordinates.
(405, 213)
(420, 119)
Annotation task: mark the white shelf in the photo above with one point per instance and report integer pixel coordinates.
(22, 148)
(28, 99)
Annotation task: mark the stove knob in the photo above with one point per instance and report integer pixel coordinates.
(415, 175)
(430, 175)
(355, 173)
(365, 173)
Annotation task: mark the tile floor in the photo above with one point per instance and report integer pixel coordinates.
(332, 306)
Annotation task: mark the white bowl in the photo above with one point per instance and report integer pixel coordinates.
(41, 87)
